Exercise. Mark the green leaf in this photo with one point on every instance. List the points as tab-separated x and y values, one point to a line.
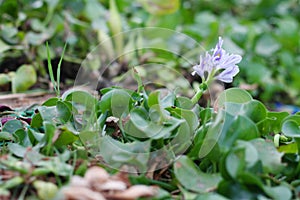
6	136
278	192
210	196
80	97
192	178
13	182
117	102
56	165
3	46
272	123
36	121
12	126
253	109
233	164
291	128
142	127
153	98
116	154
190	117
115	25
22	83
64	111
90	139
22	138
65	137
49	134
225	130
288	148
4	79
233	95
266	45
17	149
34	136
48	114
156	7
184	102
45	190
269	156
51	101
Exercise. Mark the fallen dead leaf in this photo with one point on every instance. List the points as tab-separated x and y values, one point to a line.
110	185
97	184
80	193
96	175
135	192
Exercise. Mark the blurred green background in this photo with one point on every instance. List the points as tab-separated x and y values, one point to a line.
265	32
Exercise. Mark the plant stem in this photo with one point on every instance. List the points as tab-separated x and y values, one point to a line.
198	95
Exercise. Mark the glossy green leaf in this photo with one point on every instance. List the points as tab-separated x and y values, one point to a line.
65	137
253	109
115	153
233	95
116	101
20	82
291	128
141	126
6	136
64	111
80	97
51	101
36	121
266	45
157	7
192	178
48	114
17	149
90	139
225	131
45	190
12	126
272	123
4	79
210	196
269	156
3	47
34	136
13	182
190	117
278	192
115	26
288	148
56	165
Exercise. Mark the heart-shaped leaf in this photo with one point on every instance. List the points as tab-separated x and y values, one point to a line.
192	178
24	78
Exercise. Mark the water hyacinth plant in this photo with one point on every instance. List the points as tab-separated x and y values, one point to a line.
164	145
216	65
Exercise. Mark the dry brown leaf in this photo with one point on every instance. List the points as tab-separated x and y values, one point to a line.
78	181
80	193
113	185
96	175
245	86
135	192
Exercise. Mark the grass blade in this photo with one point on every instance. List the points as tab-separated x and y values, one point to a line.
50	68
58	70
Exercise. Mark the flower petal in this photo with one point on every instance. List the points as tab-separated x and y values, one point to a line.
228	74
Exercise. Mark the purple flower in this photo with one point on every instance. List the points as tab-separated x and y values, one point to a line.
218	65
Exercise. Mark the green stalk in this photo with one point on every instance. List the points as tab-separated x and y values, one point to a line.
50	68
56	82
58	71
115	26
198	95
